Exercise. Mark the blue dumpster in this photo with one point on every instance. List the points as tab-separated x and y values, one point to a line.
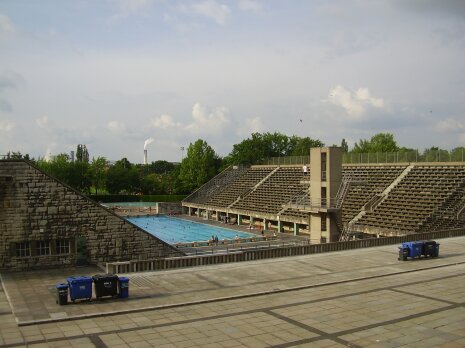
415	248
403	253
430	248
123	287
62	294
80	287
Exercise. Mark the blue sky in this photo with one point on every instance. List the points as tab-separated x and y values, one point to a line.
113	73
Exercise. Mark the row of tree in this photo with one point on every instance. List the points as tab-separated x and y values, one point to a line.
200	164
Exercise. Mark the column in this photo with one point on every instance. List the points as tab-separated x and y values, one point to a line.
296	228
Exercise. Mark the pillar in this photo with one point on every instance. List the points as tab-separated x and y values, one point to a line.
296	228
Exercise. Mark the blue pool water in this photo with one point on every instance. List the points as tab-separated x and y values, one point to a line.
173	230
131	204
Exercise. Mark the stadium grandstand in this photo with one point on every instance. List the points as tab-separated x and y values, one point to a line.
330	201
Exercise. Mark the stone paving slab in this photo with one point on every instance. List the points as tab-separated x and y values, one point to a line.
357	298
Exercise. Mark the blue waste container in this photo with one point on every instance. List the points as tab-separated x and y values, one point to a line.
80	287
403	253
415	248
430	248
62	294
123	287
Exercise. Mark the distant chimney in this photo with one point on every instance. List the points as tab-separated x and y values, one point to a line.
145	156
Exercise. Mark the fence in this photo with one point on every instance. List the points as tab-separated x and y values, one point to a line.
457	155
404	157
279	161
269	253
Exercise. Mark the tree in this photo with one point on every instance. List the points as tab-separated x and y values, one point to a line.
381	142
458	154
123	176
262	146
79	176
17	155
160	167
302	146
199	165
98	169
344	146
435	154
82	155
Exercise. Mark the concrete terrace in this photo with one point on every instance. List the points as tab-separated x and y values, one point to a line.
356	298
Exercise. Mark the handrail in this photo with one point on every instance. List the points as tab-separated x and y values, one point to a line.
272	252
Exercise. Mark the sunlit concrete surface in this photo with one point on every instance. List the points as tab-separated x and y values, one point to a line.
358	298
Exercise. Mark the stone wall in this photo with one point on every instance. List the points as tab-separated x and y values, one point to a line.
38	212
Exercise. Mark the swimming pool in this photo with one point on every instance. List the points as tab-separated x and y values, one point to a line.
131	204
173	230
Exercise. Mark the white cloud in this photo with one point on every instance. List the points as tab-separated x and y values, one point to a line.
250	5
164	122
205	122
6	126
127	8
355	103
211	9
42	121
116	127
6	26
131	6
251	125
450	125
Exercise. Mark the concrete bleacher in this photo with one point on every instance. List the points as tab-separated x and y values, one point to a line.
385	199
277	189
366	182
244	183
223	180
415	199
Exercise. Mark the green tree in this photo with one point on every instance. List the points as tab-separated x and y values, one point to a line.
17	155
199	165
152	184
458	154
381	142
98	169
82	155
123	176
435	154
79	176
344	146
160	167
302	146
259	147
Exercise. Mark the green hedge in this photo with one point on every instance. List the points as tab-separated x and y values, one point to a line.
137	198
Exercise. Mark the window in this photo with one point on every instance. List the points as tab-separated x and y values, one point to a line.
63	246
323	221
43	248
323	166
23	249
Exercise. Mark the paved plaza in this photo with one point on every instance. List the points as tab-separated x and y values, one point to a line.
356	298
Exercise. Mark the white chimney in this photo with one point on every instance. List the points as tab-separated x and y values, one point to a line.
145	156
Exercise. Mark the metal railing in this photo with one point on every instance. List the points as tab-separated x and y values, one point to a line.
404	157
272	252
380	157
279	161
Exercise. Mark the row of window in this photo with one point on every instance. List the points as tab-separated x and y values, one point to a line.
42	248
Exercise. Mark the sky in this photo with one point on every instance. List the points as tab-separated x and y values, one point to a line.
117	74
